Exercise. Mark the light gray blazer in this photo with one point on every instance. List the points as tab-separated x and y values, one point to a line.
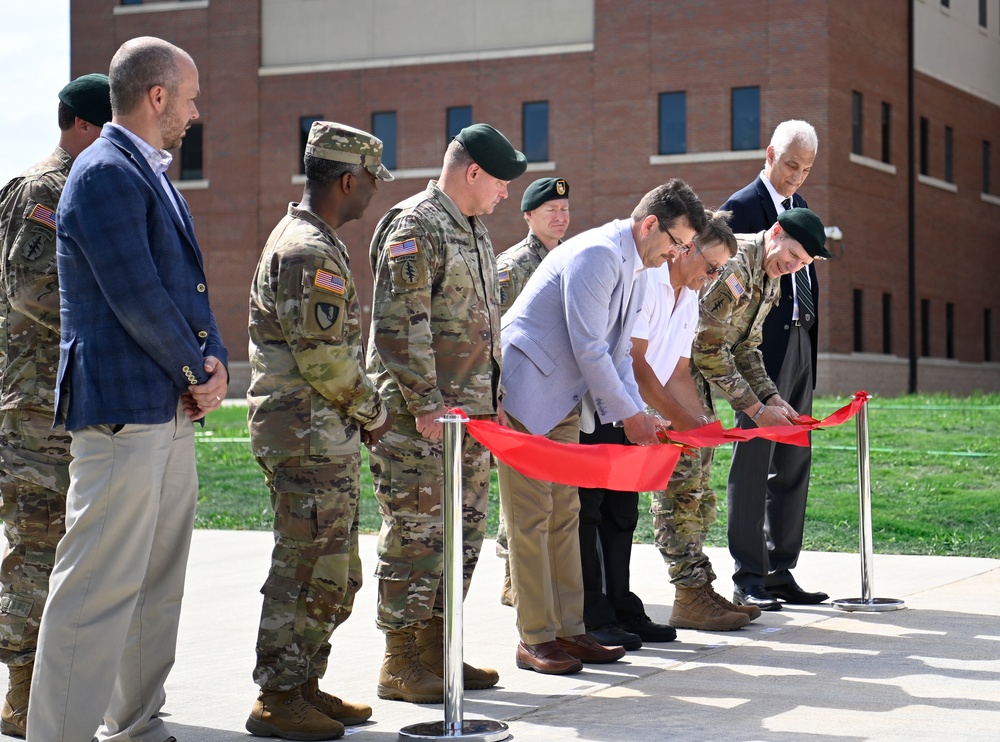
569	332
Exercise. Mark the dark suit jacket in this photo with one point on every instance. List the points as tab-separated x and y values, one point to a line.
135	315
753	211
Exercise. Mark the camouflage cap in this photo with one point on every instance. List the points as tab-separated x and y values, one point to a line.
492	151
803	226
542	190
341	143
89	97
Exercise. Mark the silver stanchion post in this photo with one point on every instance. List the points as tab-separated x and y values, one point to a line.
866	602
454	725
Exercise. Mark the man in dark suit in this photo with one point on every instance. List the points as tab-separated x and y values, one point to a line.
140	359
769	482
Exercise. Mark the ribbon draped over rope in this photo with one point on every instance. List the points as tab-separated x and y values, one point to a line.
631	468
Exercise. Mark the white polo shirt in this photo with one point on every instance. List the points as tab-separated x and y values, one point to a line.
666	326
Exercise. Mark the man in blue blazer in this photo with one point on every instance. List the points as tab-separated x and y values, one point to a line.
769	482
565	344
140	359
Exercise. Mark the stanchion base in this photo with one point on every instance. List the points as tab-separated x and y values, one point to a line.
875	605
473	730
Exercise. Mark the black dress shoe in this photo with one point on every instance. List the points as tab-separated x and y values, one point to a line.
756	595
790	592
647	630
612	635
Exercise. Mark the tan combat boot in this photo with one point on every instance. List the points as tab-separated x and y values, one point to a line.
345	712
507	591
286	714
403	676
430	645
694	609
14	717
751	611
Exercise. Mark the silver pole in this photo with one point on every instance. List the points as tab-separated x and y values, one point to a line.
866	602
455	726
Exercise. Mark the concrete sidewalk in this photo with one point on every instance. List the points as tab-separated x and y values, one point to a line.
928	672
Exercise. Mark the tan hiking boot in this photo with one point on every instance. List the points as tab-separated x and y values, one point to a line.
286	714
751	611
507	591
695	609
430	645
403	676
14	717
345	712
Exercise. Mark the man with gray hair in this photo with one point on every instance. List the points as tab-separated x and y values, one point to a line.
769	482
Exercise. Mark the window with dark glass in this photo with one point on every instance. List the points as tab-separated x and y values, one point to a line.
673	123
535	131
458	117
987	335
746	118
924	145
857	133
987	174
887	324
886	132
305	124
945	3
859	325
192	153
982	13
949	154
925	327
384	127
949	330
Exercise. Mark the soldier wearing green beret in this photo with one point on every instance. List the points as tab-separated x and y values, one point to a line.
545	205
35	472
311	406
435	344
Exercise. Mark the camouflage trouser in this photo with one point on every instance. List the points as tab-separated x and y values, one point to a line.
408	474
682	515
34	477
315	567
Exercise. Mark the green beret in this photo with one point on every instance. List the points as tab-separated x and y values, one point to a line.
89	97
341	143
492	151
542	190
805	228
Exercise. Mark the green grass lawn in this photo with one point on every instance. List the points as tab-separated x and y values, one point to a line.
935	478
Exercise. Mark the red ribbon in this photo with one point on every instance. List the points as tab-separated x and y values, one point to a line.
630	468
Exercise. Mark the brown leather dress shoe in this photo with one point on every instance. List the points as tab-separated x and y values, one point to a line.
547	658
586	649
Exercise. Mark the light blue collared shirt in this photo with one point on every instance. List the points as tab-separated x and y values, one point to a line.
158	159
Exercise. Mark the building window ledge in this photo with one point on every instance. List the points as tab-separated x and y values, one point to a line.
885	167
944	185
159	7
191	185
990	198
696	157
541	167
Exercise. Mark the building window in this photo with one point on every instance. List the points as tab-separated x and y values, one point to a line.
746	118
857	133
987	335
535	131
305	124
458	117
945	3
859	325
887	324
949	330
384	127
925	327
949	154
987	175
924	145
192	153
886	132
982	13
673	123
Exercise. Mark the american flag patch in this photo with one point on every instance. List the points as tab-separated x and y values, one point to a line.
43	215
407	247
329	281
503	276
735	286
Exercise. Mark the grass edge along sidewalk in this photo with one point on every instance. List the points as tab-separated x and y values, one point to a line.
935	473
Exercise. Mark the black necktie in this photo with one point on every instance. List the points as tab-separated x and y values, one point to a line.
803	291
786	204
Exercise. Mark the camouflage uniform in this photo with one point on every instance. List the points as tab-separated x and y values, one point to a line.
35	469
515	266
308	398
725	355
435	344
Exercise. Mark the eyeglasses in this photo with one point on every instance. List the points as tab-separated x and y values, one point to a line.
712	270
